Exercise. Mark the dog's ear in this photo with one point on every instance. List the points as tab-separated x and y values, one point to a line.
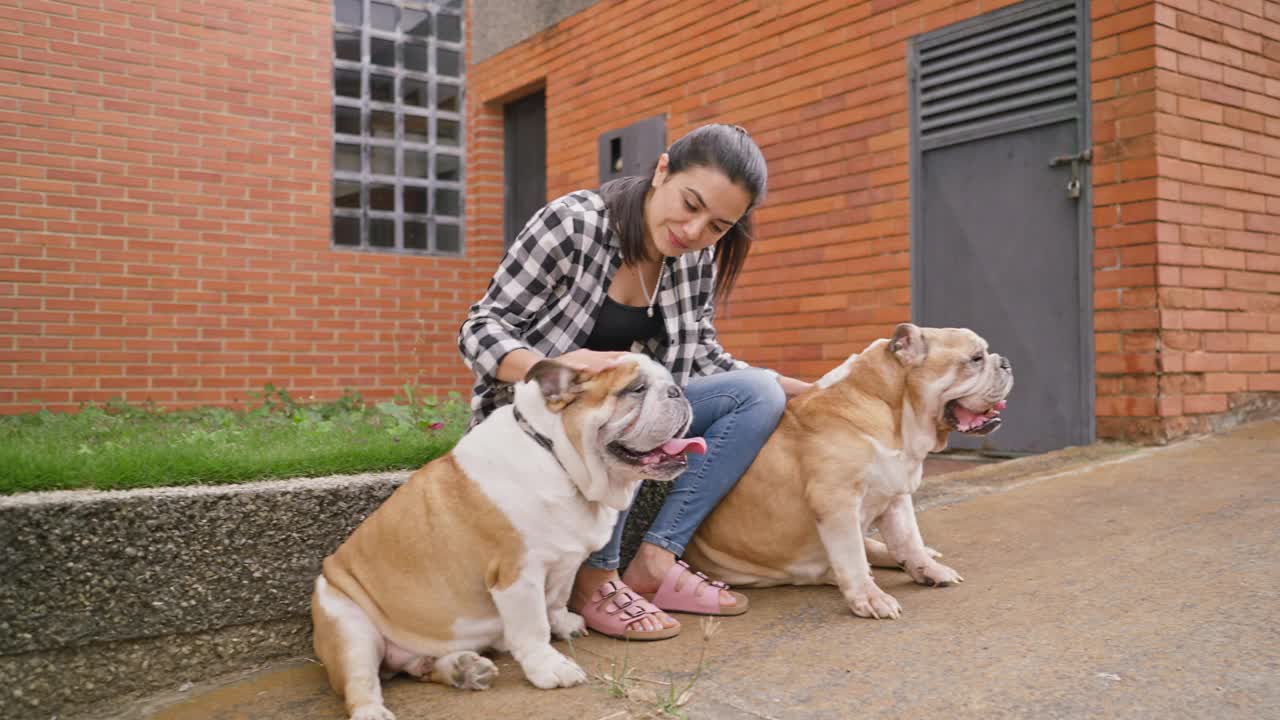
908	345
559	383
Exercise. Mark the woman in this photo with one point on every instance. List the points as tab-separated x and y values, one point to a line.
638	266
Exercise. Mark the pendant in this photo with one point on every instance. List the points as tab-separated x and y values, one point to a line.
650	312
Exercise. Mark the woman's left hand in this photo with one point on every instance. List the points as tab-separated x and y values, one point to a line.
792	386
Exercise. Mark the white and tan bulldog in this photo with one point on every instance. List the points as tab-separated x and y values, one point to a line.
479	548
847	456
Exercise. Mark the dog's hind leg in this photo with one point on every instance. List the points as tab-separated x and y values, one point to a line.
351	649
879	556
463	669
902	535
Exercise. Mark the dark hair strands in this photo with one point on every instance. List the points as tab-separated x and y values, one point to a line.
727	148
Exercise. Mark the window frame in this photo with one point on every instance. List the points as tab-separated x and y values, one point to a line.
374	143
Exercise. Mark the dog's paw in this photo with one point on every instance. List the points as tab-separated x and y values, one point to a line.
565	624
372	712
933	574
553	670
872	602
469	671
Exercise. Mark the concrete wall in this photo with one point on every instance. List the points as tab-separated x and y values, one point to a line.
106	593
103	594
498	24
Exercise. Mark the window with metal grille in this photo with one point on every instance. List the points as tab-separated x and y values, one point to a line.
397	113
1016	67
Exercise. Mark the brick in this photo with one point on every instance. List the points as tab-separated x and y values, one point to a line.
1203	278
1125	277
1247	322
1246	363
1125	406
1201	362
1200	110
1126	320
1122	65
1245	39
1226	342
1169	406
1263	342
1232	259
1176	297
1199	26
1203	404
1182	340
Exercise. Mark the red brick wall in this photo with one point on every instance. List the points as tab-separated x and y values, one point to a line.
1126	209
164	215
165	169
820	85
1218	117
1186	235
1187	214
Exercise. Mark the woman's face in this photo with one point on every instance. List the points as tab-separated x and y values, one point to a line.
692	209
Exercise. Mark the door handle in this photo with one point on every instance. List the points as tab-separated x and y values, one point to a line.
1073	185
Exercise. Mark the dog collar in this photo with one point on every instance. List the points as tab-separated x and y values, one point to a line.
538	437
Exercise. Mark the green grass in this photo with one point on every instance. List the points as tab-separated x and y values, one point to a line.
124	446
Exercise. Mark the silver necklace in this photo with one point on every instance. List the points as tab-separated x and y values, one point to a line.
657	284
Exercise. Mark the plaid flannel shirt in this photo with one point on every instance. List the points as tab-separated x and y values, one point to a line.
551	284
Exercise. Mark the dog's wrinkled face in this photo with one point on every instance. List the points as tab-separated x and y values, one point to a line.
956	366
625	423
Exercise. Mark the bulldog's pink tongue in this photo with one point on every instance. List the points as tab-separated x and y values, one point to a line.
684	445
968	420
965	418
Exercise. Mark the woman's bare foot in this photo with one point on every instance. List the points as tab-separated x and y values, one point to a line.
590	579
650	566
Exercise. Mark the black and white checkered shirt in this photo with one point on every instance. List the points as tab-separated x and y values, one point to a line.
550	286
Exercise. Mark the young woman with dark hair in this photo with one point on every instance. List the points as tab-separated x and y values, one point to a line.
639	266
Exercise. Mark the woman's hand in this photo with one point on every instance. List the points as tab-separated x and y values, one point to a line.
590	360
792	386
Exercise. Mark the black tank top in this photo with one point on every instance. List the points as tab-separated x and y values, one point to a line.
618	326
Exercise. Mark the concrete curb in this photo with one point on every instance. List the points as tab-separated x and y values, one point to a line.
99	585
107	594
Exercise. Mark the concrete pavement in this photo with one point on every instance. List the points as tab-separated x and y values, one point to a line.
1101	582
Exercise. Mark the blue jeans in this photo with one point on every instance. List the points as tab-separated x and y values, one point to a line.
735	411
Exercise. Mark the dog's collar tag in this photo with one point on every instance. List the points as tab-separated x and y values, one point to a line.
538	437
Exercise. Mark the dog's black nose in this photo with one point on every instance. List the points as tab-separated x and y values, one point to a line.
674	392
1004	363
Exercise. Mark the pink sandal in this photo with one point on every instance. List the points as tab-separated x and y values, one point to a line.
614	608
701	596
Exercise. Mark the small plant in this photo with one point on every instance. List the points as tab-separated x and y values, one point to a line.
411	411
674	698
670	700
619	675
617	680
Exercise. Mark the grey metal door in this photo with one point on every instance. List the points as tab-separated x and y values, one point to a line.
1000	233
524	162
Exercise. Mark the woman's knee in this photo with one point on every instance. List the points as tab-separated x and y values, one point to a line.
762	392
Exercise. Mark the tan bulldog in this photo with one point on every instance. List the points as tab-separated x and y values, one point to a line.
846	456
479	548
